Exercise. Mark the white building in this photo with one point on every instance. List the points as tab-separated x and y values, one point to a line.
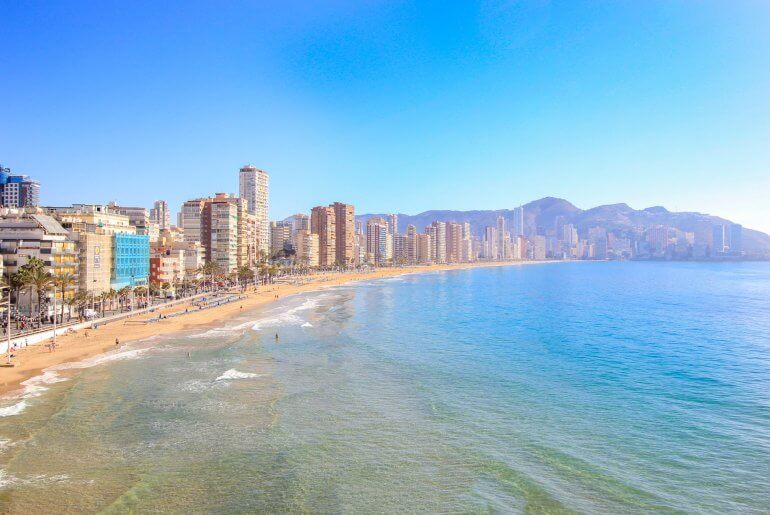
254	187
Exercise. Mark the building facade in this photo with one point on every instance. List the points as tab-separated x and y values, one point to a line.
345	233
322	223
254	186
130	260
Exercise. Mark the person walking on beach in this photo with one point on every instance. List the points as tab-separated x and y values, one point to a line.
117	342
276	336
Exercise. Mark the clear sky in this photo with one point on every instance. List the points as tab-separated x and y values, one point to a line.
393	106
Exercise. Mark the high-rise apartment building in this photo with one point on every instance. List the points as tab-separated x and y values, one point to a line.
376	240
736	239
255	188
538	247
393	224
345	233
719	239
467	243
322	223
502	252
518	222
18	190
490	243
280	237
161	215
400	246
439	242
191	219
300	222
219	232
424	249
657	238
411	244
306	247
454	244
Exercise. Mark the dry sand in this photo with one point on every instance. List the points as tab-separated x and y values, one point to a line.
76	346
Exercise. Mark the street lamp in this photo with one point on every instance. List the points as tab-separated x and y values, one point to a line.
54	315
132	293
8	324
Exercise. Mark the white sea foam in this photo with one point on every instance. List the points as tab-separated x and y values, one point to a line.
307	324
36	386
102	358
287	316
276	317
14	409
235	374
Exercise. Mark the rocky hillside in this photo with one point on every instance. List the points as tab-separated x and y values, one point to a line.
544	212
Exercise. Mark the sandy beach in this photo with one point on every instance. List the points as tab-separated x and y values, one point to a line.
76	346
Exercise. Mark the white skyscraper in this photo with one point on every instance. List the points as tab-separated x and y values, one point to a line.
501	238
161	215
393	224
254	187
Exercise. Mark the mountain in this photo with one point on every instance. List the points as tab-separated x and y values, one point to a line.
541	215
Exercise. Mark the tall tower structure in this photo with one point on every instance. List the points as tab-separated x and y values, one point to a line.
255	188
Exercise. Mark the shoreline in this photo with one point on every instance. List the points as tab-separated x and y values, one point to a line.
79	345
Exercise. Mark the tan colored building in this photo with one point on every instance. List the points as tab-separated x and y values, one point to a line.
28	233
219	229
411	244
92	227
191	219
424	249
92	218
345	233
280	236
228	231
306	247
454	244
322	223
94	261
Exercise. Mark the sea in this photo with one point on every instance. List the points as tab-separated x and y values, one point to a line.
631	387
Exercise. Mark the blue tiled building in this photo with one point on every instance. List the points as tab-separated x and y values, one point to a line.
130	260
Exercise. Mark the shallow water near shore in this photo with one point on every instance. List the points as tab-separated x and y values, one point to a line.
607	387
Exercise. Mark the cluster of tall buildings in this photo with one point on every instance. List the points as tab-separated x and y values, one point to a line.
112	246
18	190
564	240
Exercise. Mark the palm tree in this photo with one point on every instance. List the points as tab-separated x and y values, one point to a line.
244	271
212	269
123	294
63	281
71	302
103	298
141	292
79	301
154	290
4	284
42	281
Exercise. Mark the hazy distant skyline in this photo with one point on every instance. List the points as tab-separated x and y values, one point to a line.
393	106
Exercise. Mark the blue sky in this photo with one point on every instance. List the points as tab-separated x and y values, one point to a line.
393	106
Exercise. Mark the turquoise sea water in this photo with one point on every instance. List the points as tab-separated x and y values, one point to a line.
570	387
